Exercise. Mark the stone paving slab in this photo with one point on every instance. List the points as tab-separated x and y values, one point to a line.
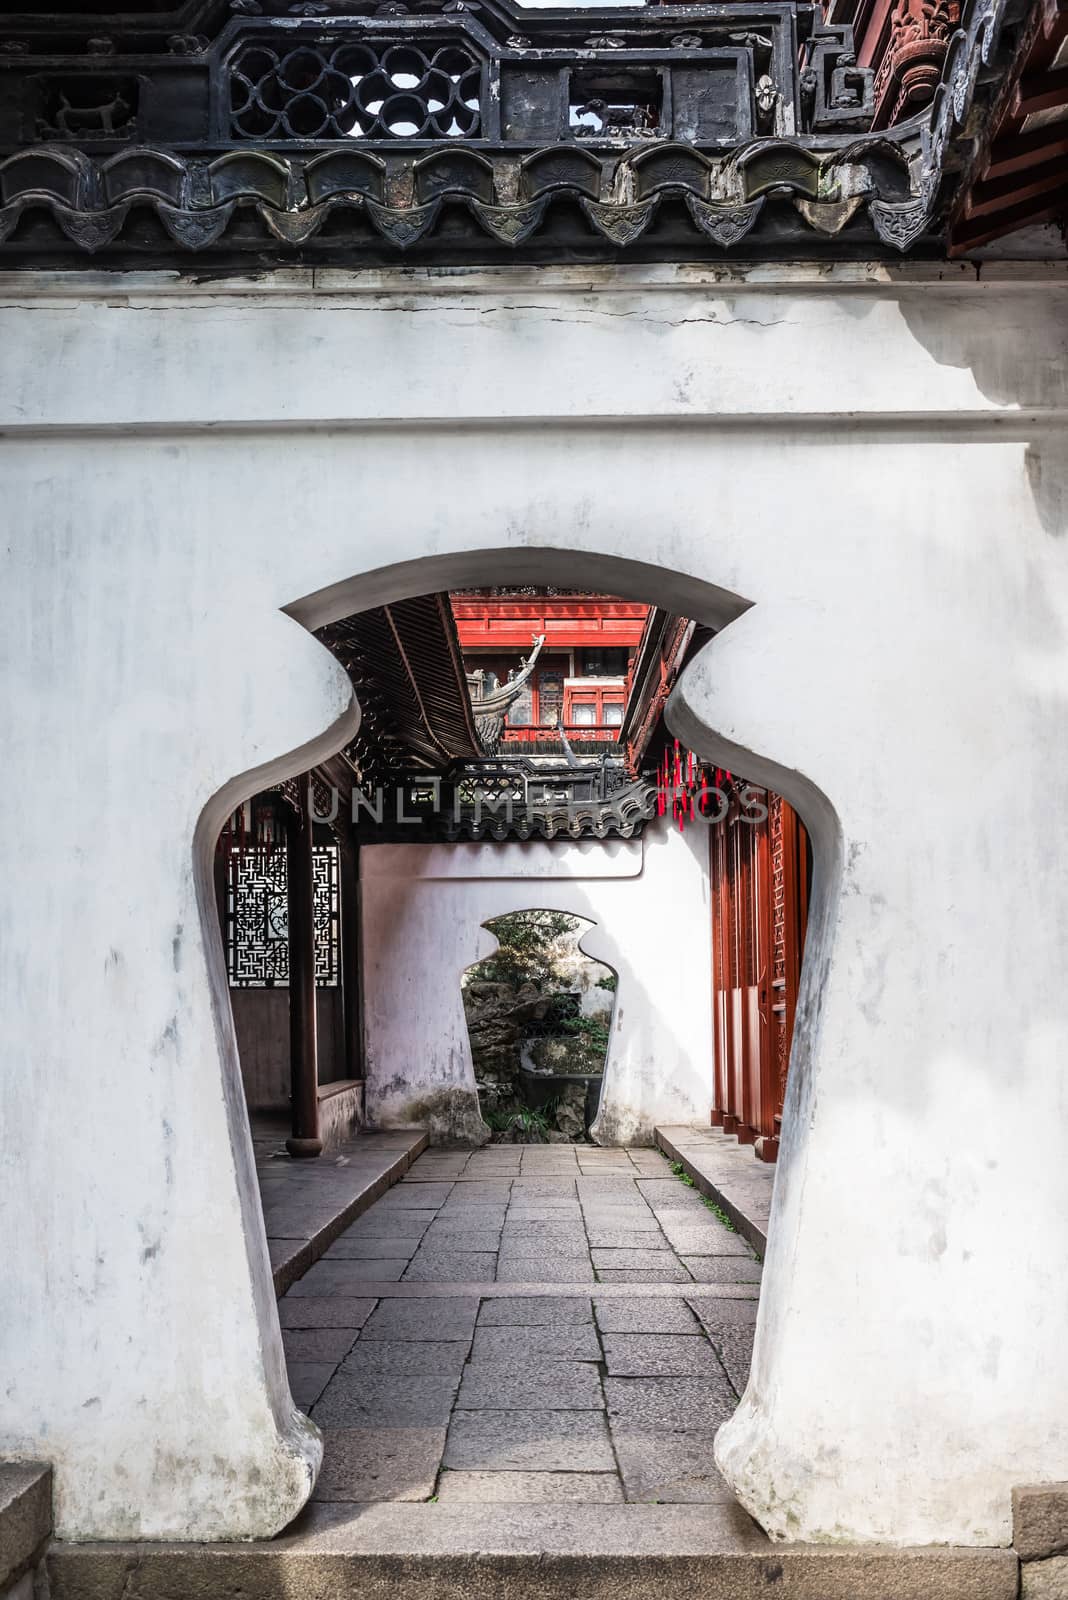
403	1357
421	1319
734	1346
617	1238
676	1273
375	1398
644	1316
528	1188
570	1270
616	1258
529	1441
660	1355
670	1468
323	1311
417	1196
530	1488
542	1385
348	1277
721	1269
307	1380
551	1222
628	1220
441	1236
387	1248
696	1239
469	1193
668	1192
378	1224
461	1218
318	1344
553	1341
727	1306
529	1312
668	1404
379	1464
522	1242
444	1266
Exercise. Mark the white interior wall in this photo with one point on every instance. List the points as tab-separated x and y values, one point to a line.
423	907
860	472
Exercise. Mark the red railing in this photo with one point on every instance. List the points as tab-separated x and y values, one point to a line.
550	734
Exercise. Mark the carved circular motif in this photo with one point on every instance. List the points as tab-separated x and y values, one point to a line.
356	91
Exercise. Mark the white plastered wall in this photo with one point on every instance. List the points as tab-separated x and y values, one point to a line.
862	474
423	907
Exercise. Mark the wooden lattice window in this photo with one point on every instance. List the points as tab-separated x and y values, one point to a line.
257	917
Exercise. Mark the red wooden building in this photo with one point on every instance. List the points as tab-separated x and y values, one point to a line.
760	875
579	682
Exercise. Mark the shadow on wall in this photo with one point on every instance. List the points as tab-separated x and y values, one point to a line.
1026	367
539	1015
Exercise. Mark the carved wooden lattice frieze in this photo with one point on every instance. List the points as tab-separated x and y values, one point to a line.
257	918
374	89
482	129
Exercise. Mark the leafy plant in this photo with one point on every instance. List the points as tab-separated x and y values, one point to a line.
527	1126
594	1030
526	940
528	931
717	1211
720	1215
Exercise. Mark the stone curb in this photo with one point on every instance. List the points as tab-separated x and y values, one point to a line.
306	1252
747	1226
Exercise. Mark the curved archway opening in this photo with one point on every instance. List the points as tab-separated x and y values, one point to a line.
422	898
539	1016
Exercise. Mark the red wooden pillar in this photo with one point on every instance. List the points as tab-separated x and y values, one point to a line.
732	1109
748	1055
759	895
765	1084
303	1054
718	905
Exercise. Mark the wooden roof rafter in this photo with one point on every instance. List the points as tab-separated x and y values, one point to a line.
1019	173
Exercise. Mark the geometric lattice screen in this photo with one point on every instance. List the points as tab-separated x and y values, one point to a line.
257	917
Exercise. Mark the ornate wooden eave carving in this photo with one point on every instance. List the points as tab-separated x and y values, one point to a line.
450	131
447	131
909	73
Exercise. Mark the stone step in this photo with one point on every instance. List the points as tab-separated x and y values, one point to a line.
725	1172
25	1522
516	1552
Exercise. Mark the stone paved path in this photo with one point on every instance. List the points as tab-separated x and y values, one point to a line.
527	1325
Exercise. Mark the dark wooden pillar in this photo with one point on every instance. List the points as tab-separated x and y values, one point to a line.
349	873
303	1054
